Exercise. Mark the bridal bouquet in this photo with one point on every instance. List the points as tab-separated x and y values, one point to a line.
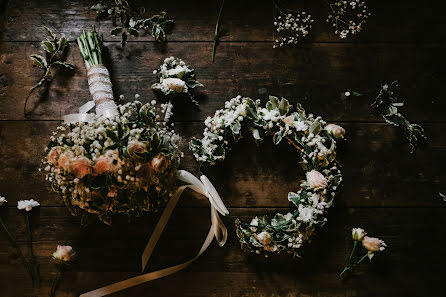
120	160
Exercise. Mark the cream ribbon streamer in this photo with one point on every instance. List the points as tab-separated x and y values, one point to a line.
217	230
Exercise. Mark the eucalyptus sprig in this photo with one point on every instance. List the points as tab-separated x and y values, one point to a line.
132	21
54	47
387	103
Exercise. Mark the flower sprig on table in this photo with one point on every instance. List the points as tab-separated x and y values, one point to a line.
348	17
63	258
292	26
176	79
132	21
55	49
313	138
30	265
372	245
387	103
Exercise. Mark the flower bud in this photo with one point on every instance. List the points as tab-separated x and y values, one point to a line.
358	234
335	130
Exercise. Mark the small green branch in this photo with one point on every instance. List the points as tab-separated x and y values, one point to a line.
34	264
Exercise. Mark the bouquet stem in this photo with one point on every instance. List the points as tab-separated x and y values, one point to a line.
90	46
55	282
19	251
35	266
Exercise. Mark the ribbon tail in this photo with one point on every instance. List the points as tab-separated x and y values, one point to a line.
220	231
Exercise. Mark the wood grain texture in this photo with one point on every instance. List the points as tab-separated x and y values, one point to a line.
107	255
314	75
392	194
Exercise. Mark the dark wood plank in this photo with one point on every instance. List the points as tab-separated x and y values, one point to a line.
411	266
249	20
377	167
314	75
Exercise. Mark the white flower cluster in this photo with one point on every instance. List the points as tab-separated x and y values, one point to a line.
123	164
312	137
175	78
27	205
2	200
292	28
348	17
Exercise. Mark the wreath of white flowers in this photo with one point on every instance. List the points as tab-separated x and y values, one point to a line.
313	138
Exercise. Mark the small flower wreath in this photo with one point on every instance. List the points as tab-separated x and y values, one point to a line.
313	138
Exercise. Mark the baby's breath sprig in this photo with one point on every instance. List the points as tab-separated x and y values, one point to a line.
132	21
348	17
292	26
55	48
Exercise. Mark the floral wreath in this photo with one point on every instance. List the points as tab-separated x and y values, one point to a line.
313	138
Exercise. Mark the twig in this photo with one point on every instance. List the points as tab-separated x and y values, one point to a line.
217	28
31	251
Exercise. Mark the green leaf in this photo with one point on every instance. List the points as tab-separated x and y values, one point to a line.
284	106
133	32
39	61
256	134
193	83
315	128
277	137
273	103
356	94
235	127
293	197
48	47
64	64
116	31
50	33
253	241
442	196
62	43
99	8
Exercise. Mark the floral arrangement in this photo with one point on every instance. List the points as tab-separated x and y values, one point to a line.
313	138
348	17
31	264
120	160
55	49
175	79
371	244
132	21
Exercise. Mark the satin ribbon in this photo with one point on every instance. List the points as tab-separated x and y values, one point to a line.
217	230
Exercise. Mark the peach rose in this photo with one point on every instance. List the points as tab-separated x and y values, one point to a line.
102	165
80	167
264	238
289	120
53	155
316	180
112	193
64	160
335	130
64	253
160	163
373	244
136	147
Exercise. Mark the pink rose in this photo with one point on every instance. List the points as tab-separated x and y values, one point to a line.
80	167
335	130
373	244
136	147
102	165
64	160
160	163
64	253
53	155
316	180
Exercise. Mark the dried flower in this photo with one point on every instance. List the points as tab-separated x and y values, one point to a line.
358	234
348	17
27	205
316	180
160	163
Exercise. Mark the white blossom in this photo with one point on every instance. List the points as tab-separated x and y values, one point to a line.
27	205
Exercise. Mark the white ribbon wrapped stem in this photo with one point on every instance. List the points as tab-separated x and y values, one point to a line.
100	87
217	230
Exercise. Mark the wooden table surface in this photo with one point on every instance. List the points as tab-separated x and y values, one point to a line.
389	192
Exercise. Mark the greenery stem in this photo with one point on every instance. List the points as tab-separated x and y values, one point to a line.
19	251
55	282
217	28
349	267
35	267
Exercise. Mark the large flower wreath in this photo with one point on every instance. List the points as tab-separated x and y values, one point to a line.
312	137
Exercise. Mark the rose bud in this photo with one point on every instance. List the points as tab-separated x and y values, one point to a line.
316	180
358	234
335	130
